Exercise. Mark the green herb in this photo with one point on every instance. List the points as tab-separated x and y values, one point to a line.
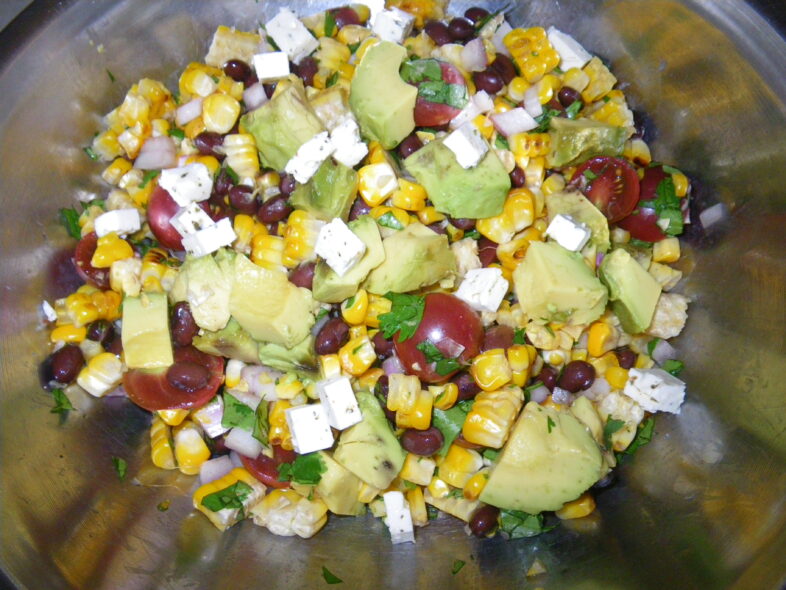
473	234
544	120
237	414
443	365
331	81
62	403
612	426
409	485
558	70
673	366
549	329
573	110
178	133
322	313
501	143
163	506
111	76
667	205
670	169
404	315
389	220
431	512
519	336
230	497
215	79
639	243
306	469
232	174
457	565
491	454
353	47
70	220
273	44
121	467
606	98
482	22
454	95
330	577
518	524
349	302
262	424
455	493
176	96
357	349
449	422
144	245
149	175
330	23
550	423
643	436
589	174
90	153
651	345
419	70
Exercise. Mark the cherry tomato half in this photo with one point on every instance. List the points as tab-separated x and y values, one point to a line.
642	222
265	468
83	254
610	183
160	209
445	318
435	114
152	391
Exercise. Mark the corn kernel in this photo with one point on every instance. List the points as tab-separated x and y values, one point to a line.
532	52
190	448
354	309
491	370
376	182
666	250
438	488
115	171
445	396
602	338
368	380
459	465
517	88
579	508
475	485
555	183
681	184
172	417
279	433
617	377
429	215
417	507
69	334
603	362
492	416
517	214
409	196
357	355
377	306
110	248
417	469
161	452
419	415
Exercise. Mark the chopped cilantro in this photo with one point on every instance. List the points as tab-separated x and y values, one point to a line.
262	425
144	245
501	143
149	175
472	234
589	174
330	23
670	169
550	423
573	110
673	366
549	329
111	76
442	364
389	220
455	493
70	219
230	497
330	577
454	95
651	345
558	70
457	565
482	22
431	512
62	403
121	467
332	80
237	414
491	454
449	422
305	469
90	153
667	205
349	302
612	426
419	70
643	436
544	120
409	485
178	133
519	336
404	315
322	313
639	243
232	174
517	524
215	79
353	47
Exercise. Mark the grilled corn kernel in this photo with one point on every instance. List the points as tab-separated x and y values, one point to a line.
603	337
352	34
357	355
368	380
417	507
579	508
517	214
475	484
409	196
555	183
354	309
636	150
300	237
528	145
445	396
246	229
198	79
115	171
285	512
172	417
438	488
603	362
106	145
491	370
429	215
601	81
376	182
617	377
190	448
459	465
666	250
329	366
161	452
279	433
511	253
377	306
110	247
418	469
418	416
241	154
403	391
532	52
520	364
268	251
492	415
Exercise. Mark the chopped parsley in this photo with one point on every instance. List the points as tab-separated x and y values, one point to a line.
306	469
518	524
178	133
427	75
673	366
390	221
455	493
121	467
519	336
550	423
349	302
62	403
457	565
111	76
70	219
330	577
90	153
442	364
332	80
667	205
230	497
149	175
573	110
643	436
330	23
501	143
404	316
449	422
612	426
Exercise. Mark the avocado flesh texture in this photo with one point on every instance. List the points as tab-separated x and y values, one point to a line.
145	332
382	102
332	288
232	342
554	284
204	283
475	192
301	358
580	209
540	469
414	257
633	291
329	194
339	488
282	125
574	141
369	449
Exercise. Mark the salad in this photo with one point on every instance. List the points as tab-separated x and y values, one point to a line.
380	259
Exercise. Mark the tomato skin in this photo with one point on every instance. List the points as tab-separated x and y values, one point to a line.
151	390
444	316
83	254
265	468
614	189
435	114
160	209
642	222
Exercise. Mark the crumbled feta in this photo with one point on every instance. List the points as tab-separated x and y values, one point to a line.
48	311
120	221
210	239
483	289
339	401
349	148
671	313
339	246
186	184
399	518
393	25
571	235
655	390
572	54
209	417
291	35
310	428
271	66
309	157
467	144
190	219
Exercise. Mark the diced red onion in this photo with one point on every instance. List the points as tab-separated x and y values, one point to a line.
532	101
449	347
188	112
243	442
118	391
157	153
499	35
663	351
235	458
599	258
265	388
712	215
562	396
599	388
539	394
473	56
392	365
214	469
254	96
513	121
319	324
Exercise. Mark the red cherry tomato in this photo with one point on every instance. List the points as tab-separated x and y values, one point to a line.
152	391
610	183
642	222
160	209
265	468
435	114
83	254
445	318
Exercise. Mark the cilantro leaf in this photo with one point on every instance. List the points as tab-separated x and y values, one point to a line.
454	95
483	21
237	414
573	110
232	174
404	316
589	174
90	153
518	524
442	364
449	422
457	565
670	169
262	424
330	577
418	70
643	437
501	143
322	313
612	426
519	336
389	220
667	205
353	47
332	80
70	219
121	467
550	423
111	76
544	120
62	403
651	345
472	234
178	133
491	454
673	366
149	175
330	23
230	497
305	469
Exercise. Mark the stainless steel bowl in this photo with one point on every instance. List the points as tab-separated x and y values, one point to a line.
703	506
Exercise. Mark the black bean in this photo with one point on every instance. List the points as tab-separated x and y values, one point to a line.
460	29
548	376
100	331
489	80
464	223
518	178
115	345
484	520
303	275
270	88
475	14
223	184
208	143
237	69
333	335
306	69
503	65
438	228
422	442
187	376
382	346
182	324
66	363
287	184
438	31
345	16
241	197
567	96
626	357
500	336
359	207
409	145
467	388
274	210
487	251
577	375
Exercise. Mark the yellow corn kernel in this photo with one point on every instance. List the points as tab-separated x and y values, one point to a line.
410	196
517	214
636	150
246	229
535	172
194	127
614	111
520	364
110	247
357	355
579	508
367	493
548	87
438	488
603	362
667	250
475	485
288	386
555	183
300	237
484	125
358	331
329	366
198	79
512	252
226	517
517	88
377	154
285	512
241	154
429	215
501	105
602	338
390	217
417	469
351	34
160	127
106	145
445	395
172	417
268	251
528	145
354	309
115	171
601	81
576	78
492	415
157	273
417	507
459	465
681	183
368	380
279	429
377	306
419	415
403	391
190	448
422	10
532	52
643	361
550	403
376	182
579	354
102	373
491	369
161	445
617	377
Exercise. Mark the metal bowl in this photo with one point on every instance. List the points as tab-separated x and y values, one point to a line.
701	507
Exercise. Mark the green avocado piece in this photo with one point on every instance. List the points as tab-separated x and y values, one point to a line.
554	284
414	257
369	449
633	291
232	342
382	102
329	194
549	459
475	192
339	488
574	141
282	125
581	209
330	287
268	306
586	413
206	286
145	332
301	358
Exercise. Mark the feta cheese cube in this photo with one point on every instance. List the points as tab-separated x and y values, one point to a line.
291	35
271	66
186	184
349	148
209	417
571	235
467	144
339	401
210	239
190	219
339	246
572	54
483	289
310	428
120	221
393	25
309	157
655	390
50	315
399	518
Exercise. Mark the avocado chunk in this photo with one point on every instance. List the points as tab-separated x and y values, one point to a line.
475	192
586	413
339	488
414	257
633	291
232	342
369	449
581	209
330	287
301	358
268	306
556	285
206	287
382	102
574	141
145	333
282	125
549	459
329	194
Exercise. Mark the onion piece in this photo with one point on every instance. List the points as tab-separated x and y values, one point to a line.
254	96
663	351
712	215
539	394
473	56
188	112
261	381
599	388
497	39
513	121
449	347
392	365
214	469
562	396
532	101
243	442
235	458
157	153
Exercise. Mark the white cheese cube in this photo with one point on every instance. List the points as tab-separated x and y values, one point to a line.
309	157
271	66
190	219
291	35
399	518
50	315
483	289
339	402
186	184
467	144
393	25
655	390
120	221
572	54
310	428
568	233
210	239
339	246
345	137
209	417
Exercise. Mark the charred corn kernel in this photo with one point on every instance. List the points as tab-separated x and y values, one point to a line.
532	52
491	369
354	309
110	247
418	469
124	276
331	53
403	391
520	364
535	172
667	250
367	493
172	417
279	429
268	251
459	465
512	252
232	373
576	78
102	373
409	196
429	215
69	334
501	105
161	452
579	508
134	109
603	362
357	355
300	237
115	171
106	145
376	181
288	386
368	380
158	271
601	81
238	484
548	87
190	448
287	513
445	395
377	305
157	95
194	127
246	229
417	507
613	111
419	415
358	331
602	338
390	217
681	183
241	154
84	307
352	34
475	484
484	125
617	377
492	415
438	488
329	366
517	88
644	361
636	150
555	183
528	145
517	214
198	80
